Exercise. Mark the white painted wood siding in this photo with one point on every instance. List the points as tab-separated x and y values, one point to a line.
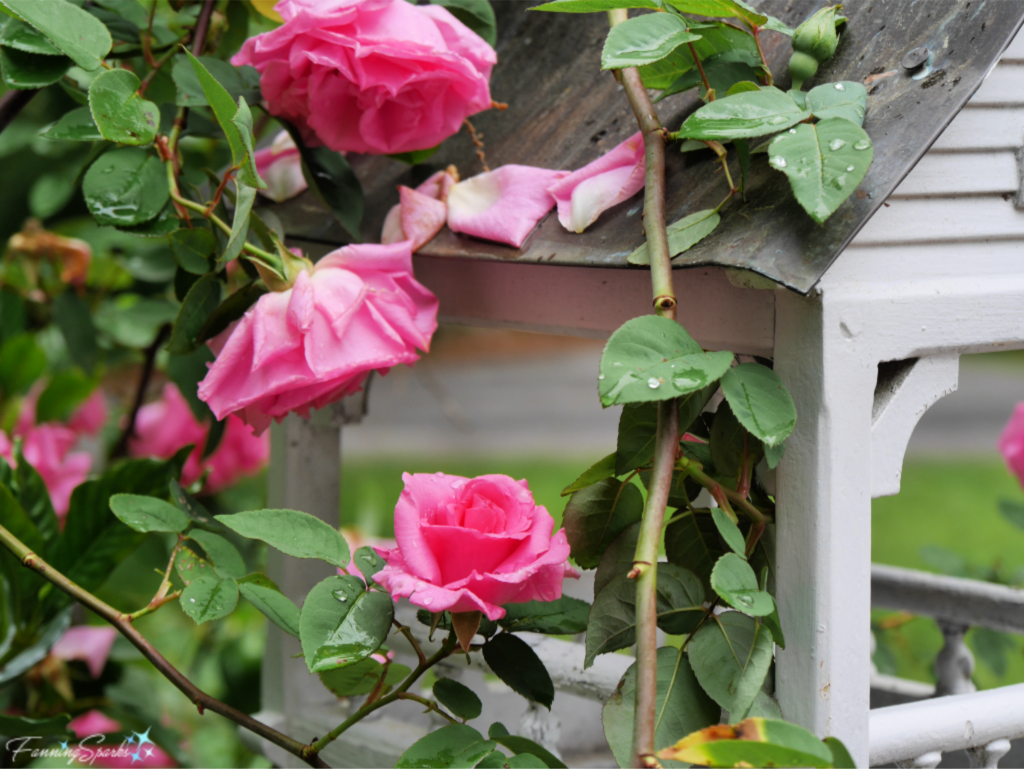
964	189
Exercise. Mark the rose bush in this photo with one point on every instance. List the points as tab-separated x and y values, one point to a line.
377	76
167	425
473	544
359	310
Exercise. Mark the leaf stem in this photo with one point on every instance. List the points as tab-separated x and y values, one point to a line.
718	491
156	68
412	641
122	622
429	705
11	103
764	62
163	594
121	447
708	91
313	749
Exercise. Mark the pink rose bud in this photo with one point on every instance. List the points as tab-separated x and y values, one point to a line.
421	213
611	179
359	310
1011	443
86	643
280	166
376	76
47	447
473	544
165	426
89	418
503	205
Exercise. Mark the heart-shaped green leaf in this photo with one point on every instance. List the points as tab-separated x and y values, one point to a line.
743	115
847	100
760	401
734	580
644	39
122	115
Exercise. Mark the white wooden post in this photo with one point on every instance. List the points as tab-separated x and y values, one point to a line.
824	522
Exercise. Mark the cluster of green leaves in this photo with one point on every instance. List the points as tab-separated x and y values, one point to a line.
820	144
725	659
459	745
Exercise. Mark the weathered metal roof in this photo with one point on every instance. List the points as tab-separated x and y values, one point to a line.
564	111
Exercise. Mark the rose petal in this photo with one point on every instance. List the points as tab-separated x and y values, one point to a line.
503	205
90	644
422	216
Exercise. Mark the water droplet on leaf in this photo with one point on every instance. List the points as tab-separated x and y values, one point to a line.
600	377
778	162
863	144
849	168
836	144
840	87
653	383
777	119
792	130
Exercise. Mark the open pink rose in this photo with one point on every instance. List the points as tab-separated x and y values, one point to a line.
280	166
1011	443
359	310
503	205
91	416
167	425
473	544
377	76
420	213
86	643
47	447
611	179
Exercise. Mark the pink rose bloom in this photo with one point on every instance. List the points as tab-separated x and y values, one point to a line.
377	76
611	179
90	417
473	544
47	448
358	310
165	426
1011	443
422	212
89	644
142	752
503	205
280	166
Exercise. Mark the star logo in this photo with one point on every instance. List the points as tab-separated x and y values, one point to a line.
64	745
130	740
136	757
143	738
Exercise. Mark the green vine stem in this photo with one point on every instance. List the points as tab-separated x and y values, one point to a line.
122	622
312	750
645	568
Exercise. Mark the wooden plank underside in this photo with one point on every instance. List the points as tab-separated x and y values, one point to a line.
948	174
943	220
584	302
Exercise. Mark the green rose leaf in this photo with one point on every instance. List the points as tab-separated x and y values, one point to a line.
522	746
651	358
244	199
25	71
199	304
730	442
125	187
238	82
513	661
66	391
458	698
478	15
342	622
221	553
294	533
612	622
763	742
74	31
368	562
730	531
192	249
760	402
724	72
74	126
773	454
604	468
825	162
17	726
638	425
148	513
691	541
734	580
682	706
743	115
596	515
841	758
730	655
208	597
439	748
23	37
259	590
716	38
121	115
362	677
618	558
564	616
593	6
644	39
847	100
727	9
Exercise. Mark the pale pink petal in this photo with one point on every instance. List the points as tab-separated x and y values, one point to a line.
611	179
1011	442
93	722
240	453
91	416
422	216
86	643
391	232
47	448
503	205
